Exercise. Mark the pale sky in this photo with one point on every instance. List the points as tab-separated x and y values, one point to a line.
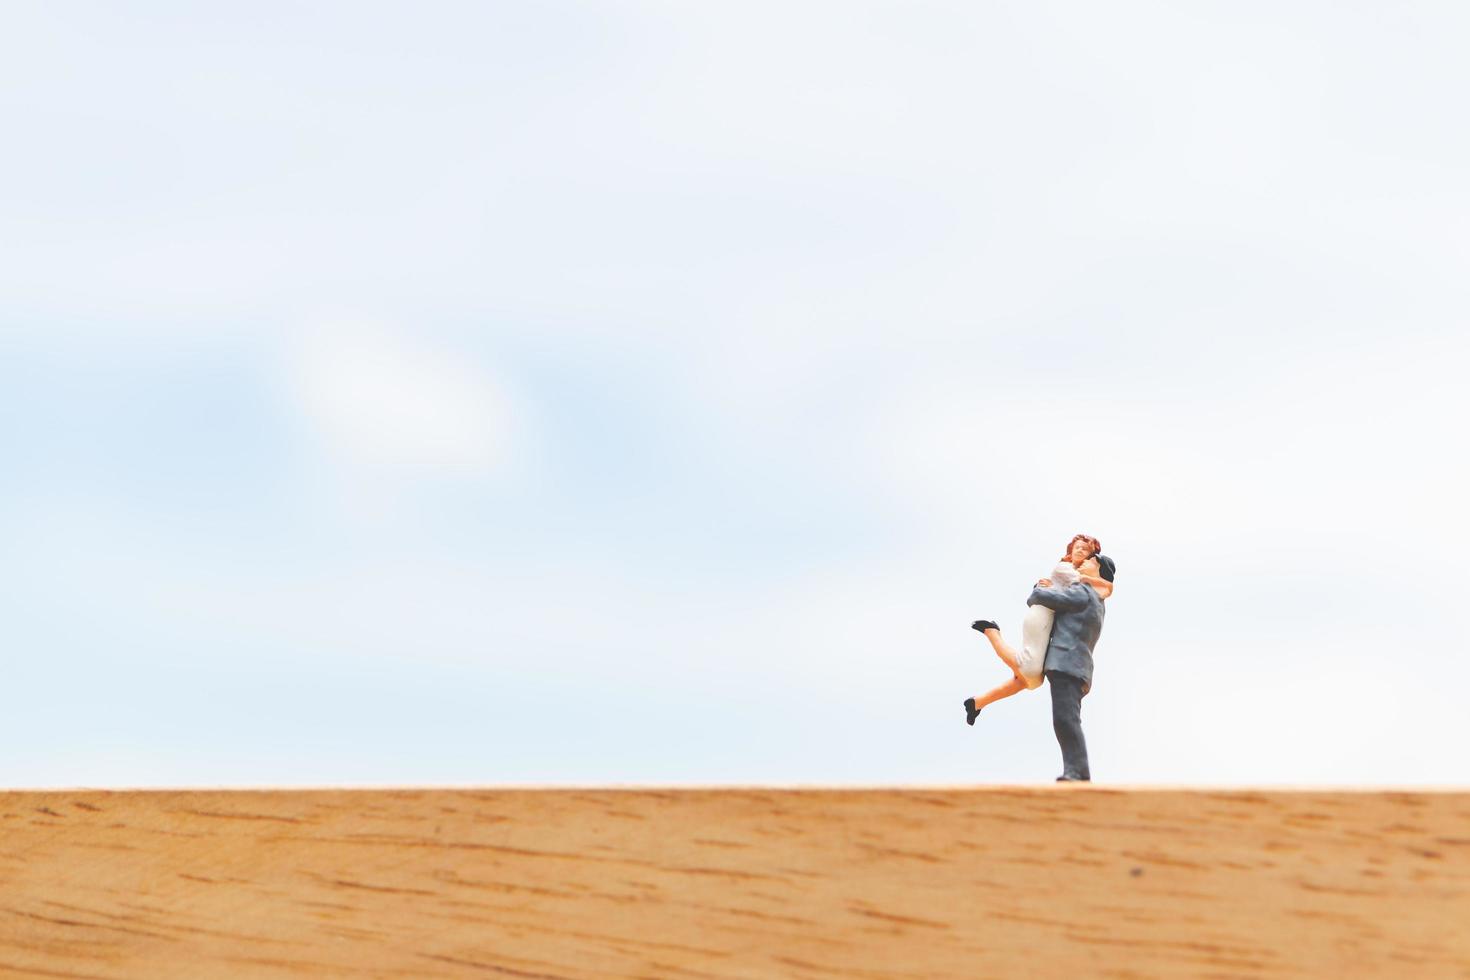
652	393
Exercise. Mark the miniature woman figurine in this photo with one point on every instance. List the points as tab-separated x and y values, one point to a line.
1080	563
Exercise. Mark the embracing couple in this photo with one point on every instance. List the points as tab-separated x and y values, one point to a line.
1061	627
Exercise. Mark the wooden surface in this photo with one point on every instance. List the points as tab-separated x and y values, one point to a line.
999	882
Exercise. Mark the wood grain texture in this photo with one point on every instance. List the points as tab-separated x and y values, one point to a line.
995	882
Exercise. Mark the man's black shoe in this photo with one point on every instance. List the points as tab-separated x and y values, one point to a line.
983	624
970	711
1067	777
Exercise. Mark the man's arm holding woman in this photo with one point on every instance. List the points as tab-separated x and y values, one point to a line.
1060	600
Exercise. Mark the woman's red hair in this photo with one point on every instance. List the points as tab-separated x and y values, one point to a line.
1096	545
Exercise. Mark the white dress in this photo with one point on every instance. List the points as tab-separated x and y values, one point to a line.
1036	629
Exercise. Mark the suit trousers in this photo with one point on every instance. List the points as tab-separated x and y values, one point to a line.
1066	721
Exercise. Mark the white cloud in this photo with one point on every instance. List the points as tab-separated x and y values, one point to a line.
385	401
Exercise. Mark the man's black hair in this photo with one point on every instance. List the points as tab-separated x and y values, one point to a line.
1105	567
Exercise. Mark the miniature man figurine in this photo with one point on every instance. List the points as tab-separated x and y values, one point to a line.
1074	632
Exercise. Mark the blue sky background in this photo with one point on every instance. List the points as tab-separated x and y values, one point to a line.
649	393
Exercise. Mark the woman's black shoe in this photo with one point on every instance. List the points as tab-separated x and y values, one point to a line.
983	624
970	711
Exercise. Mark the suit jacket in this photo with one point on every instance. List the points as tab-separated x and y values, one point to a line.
1078	624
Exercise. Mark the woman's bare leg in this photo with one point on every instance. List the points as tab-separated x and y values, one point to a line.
1013	686
1004	651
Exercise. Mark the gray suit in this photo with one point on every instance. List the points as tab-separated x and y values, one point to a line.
1075	631
1068	666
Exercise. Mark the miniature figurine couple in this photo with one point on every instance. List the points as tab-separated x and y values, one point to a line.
1057	636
